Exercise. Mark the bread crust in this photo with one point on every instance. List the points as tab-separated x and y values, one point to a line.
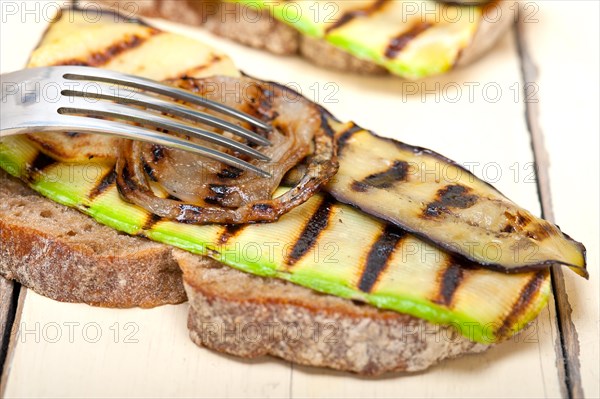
326	55
489	30
65	255
251	27
250	316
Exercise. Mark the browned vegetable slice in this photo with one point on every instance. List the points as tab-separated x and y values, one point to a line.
452	207
189	188
72	146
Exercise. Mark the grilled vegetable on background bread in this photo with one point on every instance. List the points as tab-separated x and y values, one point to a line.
443	288
412	39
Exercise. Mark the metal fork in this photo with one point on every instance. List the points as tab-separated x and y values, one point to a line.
71	98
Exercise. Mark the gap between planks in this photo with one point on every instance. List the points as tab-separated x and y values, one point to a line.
11	306
568	364
9	294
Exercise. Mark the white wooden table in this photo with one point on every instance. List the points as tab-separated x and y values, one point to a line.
542	153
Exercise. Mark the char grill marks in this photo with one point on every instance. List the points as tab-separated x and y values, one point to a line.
346	136
229	232
448	198
40	163
348	16
525	298
450	280
219	193
102	57
522	223
311	231
386	179
149	170
106	182
379	255
158	153
230	172
398	43
151	221
195	71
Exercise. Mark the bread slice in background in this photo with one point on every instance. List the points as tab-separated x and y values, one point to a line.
65	255
259	29
250	316
250	27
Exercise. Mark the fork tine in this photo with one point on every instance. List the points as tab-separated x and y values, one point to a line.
78	105
102	75
124	130
27	111
148	101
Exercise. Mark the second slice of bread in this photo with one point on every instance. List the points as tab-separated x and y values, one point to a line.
251	316
65	255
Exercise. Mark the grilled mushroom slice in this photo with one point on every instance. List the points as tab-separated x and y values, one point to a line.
190	188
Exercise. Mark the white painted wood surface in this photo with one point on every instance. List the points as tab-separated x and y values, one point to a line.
568	64
491	136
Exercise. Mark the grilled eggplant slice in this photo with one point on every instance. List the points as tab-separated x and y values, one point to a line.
194	189
410	39
433	197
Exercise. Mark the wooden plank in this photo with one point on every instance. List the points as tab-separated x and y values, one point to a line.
566	346
564	126
73	350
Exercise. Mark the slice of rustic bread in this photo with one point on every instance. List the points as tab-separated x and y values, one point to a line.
257	29
250	316
249	26
65	255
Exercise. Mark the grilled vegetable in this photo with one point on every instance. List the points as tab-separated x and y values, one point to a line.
433	197
108	40
194	189
410	39
314	245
